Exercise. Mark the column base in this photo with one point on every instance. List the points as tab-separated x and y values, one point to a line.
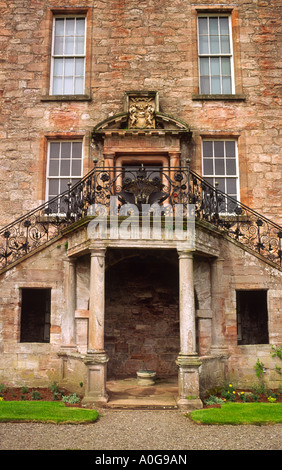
188	382
96	363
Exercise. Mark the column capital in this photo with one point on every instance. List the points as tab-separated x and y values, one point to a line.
97	252
185	254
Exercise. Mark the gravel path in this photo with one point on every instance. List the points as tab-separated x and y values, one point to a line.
139	430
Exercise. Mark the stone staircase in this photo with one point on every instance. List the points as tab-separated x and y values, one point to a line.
47	223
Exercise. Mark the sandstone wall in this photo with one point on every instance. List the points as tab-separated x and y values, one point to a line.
135	46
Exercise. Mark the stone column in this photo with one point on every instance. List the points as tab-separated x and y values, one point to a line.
68	326
188	360
96	359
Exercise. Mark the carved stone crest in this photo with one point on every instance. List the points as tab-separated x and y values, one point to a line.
141	113
141	108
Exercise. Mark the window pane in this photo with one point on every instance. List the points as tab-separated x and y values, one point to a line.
219	166
70	27
79	86
76	168
54	168
68	86
203	26
80	26
231	166
205	85
224	25
58	67
226	85
69	67
59	45
53	187
64	185
225	66
57	86
207	148
230	148
54	150
221	184
208	166
215	68
224	43
214	44
66	149
231	186
219	148
215	85
65	167
59	26
69	46
76	149
204	44
79	67
79	45
214	26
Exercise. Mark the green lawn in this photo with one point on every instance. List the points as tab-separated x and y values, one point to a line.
237	413
45	411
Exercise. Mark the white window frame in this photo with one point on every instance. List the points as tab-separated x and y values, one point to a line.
66	56
219	55
59	176
225	176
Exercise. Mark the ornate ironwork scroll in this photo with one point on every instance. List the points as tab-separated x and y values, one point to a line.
165	186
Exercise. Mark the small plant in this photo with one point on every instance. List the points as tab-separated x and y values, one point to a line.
56	392
272	399
72	398
277	351
3	388
229	393
259	368
213	400
35	395
1	398
245	397
259	388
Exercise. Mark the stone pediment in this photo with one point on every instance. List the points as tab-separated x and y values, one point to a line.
141	115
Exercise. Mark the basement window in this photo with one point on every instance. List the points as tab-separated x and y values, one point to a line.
35	315
252	317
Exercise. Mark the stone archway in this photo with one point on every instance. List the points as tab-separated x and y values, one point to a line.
142	312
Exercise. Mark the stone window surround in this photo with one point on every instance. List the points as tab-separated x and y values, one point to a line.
234	15
225	175
43	156
64	12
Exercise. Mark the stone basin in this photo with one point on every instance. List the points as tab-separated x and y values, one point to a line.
146	377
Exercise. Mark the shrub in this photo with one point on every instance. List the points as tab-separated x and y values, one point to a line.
72	398
56	392
213	400
228	393
35	395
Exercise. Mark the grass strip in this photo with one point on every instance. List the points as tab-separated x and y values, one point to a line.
237	413
45	411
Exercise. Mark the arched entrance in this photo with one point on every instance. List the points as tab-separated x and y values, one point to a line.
142	312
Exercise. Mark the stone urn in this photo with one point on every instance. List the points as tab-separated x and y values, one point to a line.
145	376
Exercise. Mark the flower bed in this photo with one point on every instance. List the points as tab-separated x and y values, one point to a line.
228	393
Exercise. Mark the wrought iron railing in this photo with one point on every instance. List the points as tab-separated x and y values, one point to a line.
146	185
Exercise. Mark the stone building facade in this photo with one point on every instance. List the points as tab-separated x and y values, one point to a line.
189	91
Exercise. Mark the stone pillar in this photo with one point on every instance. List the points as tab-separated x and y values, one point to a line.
218	318
188	360
96	358
68	326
